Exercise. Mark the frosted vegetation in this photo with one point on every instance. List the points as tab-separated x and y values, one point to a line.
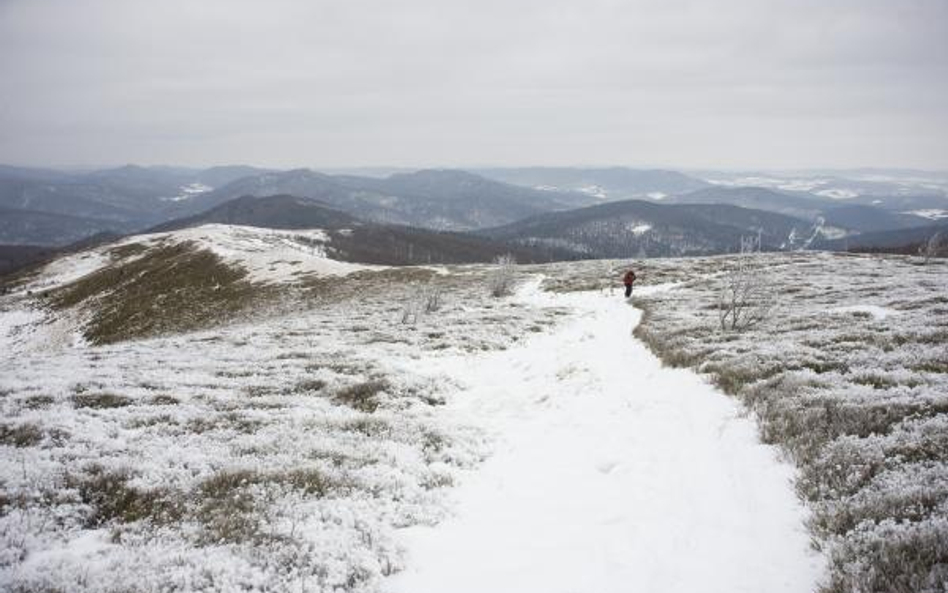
277	453
272	436
849	374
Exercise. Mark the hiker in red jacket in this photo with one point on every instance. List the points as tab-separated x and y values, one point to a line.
628	279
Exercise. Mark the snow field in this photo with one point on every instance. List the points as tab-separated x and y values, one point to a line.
610	473
287	453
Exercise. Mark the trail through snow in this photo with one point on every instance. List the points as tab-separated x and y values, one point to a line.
610	473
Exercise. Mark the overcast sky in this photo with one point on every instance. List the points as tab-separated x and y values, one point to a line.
731	84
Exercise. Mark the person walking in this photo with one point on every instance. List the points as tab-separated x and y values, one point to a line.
628	279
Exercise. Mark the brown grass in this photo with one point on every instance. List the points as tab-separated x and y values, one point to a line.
172	288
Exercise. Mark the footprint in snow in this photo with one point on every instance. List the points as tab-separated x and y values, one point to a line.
606	467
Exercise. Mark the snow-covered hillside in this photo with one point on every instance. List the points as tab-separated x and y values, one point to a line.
156	283
344	429
268	255
276	454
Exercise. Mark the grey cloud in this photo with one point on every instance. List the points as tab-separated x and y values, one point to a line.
734	83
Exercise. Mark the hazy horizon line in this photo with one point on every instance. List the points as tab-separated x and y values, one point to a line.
80	168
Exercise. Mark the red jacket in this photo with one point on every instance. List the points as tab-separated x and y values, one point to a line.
629	278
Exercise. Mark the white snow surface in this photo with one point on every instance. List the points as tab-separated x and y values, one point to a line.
268	255
838	193
67	269
610	473
189	191
640	229
930	213
594	191
771	182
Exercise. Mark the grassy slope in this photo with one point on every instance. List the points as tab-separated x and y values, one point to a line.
170	288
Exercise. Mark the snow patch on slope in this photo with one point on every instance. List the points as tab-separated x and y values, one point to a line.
930	213
639	229
67	269
837	193
189	191
268	255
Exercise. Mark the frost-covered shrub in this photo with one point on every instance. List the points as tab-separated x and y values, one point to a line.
935	246
426	300
431	298
500	282
746	296
910	557
362	396
409	312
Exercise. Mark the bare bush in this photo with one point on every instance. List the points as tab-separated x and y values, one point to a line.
746	298
409	313
936	246
501	280
428	299
431	298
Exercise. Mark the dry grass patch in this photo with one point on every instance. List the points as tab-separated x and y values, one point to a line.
20	435
110	497
171	288
100	400
362	396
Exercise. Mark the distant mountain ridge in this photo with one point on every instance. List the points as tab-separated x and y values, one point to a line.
435	199
354	240
26	227
606	183
275	212
898	240
638	228
842	214
132	198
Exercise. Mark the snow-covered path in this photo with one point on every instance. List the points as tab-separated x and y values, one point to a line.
611	473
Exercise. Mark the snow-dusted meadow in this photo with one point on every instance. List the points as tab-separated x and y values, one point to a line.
849	374
289	447
277	453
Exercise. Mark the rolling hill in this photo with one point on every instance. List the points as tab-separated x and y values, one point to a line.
275	212
897	241
353	240
129	197
851	216
638	228
26	227
611	183
797	205
435	199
